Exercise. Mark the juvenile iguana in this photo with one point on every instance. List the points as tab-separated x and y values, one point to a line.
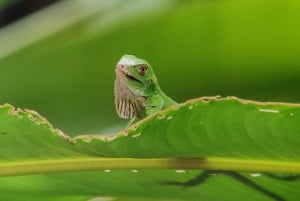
137	92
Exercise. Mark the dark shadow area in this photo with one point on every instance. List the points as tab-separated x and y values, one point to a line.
203	176
20	8
287	177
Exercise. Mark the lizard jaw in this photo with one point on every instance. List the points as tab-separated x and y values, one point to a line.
120	70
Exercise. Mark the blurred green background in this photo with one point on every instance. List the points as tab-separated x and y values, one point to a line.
65	69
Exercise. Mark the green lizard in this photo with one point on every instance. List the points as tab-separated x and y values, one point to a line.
137	92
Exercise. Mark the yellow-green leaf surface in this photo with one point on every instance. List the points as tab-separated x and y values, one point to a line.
248	150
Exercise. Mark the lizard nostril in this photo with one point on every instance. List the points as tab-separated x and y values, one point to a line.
120	66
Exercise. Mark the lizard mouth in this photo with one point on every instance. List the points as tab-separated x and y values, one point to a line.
127	75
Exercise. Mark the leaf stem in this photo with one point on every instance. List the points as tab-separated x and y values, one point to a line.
92	163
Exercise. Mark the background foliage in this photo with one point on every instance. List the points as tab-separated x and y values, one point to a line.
244	48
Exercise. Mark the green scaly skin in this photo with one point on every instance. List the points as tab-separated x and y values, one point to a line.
137	92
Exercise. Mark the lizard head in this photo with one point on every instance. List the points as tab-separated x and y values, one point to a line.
136	89
136	74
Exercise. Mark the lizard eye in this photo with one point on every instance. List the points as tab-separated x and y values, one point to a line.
142	70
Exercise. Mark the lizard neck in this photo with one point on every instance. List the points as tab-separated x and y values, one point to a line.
167	101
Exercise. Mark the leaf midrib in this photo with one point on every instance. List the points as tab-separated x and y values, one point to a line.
93	163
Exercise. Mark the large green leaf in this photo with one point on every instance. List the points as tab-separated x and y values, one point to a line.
235	140
211	127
